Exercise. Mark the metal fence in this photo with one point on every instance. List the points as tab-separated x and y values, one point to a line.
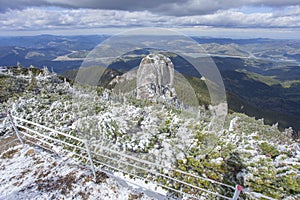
110	160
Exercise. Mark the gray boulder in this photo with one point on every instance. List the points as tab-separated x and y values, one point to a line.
155	78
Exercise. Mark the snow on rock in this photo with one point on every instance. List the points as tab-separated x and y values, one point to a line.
233	124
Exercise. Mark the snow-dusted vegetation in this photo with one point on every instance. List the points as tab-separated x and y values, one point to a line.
247	152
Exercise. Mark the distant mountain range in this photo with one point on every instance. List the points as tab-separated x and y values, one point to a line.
261	76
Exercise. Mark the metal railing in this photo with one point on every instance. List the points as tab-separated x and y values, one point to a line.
114	161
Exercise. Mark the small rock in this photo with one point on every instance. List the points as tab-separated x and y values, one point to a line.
30	152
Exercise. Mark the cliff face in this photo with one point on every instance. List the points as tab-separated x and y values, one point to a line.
155	78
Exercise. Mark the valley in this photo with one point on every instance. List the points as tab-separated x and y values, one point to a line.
261	76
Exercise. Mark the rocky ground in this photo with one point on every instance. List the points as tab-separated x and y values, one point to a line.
29	172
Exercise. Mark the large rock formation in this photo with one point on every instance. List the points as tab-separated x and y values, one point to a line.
155	78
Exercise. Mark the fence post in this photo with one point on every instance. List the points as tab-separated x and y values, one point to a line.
237	192
90	159
15	127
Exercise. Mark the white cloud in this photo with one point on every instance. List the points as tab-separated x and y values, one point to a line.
45	19
233	18
39	19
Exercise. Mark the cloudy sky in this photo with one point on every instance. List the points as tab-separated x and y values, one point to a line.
227	18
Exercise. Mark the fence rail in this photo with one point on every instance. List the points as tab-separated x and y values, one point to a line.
119	162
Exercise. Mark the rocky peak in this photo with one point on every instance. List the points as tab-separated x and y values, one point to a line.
155	78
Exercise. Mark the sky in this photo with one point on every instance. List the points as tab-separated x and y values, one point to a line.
216	18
